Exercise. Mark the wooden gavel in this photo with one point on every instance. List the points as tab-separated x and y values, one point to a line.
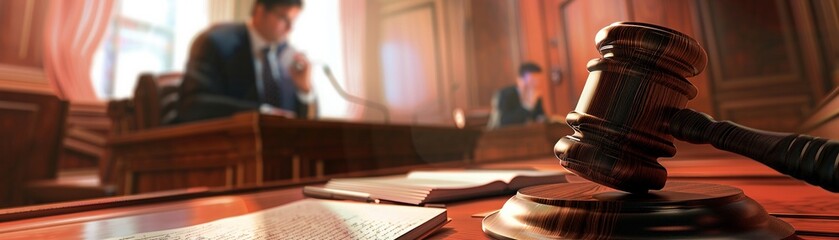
632	107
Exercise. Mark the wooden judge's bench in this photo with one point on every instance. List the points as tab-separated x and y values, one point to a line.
253	149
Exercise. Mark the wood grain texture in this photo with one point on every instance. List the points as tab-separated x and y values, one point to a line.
681	210
153	212
85	144
536	46
578	23
743	42
629	94
763	50
413	80
679	15
495	44
827	22
814	160
254	149
825	119
22	22
32	126
520	142
569	26
632	104
556	56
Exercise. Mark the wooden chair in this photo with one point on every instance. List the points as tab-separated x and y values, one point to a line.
153	104
32	128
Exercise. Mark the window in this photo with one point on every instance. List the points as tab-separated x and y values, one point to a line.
155	36
145	36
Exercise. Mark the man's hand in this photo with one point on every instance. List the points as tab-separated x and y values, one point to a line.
270	110
301	72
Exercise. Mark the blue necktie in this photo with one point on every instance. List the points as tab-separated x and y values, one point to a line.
270	86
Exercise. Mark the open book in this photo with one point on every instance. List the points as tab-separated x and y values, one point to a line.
315	219
420	187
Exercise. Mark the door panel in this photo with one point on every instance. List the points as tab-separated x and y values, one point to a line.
579	21
410	57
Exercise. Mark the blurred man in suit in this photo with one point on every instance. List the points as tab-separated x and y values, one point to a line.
248	67
520	103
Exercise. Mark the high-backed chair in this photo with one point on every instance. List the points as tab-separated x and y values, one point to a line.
153	104
31	131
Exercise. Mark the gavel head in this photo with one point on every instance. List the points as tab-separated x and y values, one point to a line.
622	117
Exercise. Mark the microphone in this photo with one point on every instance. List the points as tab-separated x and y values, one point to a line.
357	100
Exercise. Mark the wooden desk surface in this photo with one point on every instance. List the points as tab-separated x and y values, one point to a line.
777	194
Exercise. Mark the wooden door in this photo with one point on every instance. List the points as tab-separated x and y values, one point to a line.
411	55
494	45
573	24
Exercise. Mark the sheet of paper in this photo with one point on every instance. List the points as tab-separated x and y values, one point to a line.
307	219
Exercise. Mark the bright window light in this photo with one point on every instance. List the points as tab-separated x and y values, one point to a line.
317	33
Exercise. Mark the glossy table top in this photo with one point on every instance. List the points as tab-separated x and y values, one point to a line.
776	193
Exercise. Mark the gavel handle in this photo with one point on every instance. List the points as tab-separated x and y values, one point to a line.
811	159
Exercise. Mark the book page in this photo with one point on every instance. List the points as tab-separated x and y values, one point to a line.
312	219
422	184
479	175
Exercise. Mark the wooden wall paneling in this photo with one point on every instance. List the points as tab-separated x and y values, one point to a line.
24	79
536	45
751	43
22	22
458	43
808	47
413	78
31	126
495	48
755	53
682	16
577	23
774	113
373	84
557	58
445	61
824	122
21	46
827	21
85	143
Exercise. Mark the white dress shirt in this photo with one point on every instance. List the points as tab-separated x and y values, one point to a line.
257	45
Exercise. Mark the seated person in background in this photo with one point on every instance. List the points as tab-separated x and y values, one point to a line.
520	103
247	67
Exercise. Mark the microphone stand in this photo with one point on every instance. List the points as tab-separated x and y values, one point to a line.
357	100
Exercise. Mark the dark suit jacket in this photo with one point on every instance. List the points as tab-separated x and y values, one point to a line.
511	111
220	77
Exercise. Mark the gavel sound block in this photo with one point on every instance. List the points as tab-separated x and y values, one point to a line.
628	115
